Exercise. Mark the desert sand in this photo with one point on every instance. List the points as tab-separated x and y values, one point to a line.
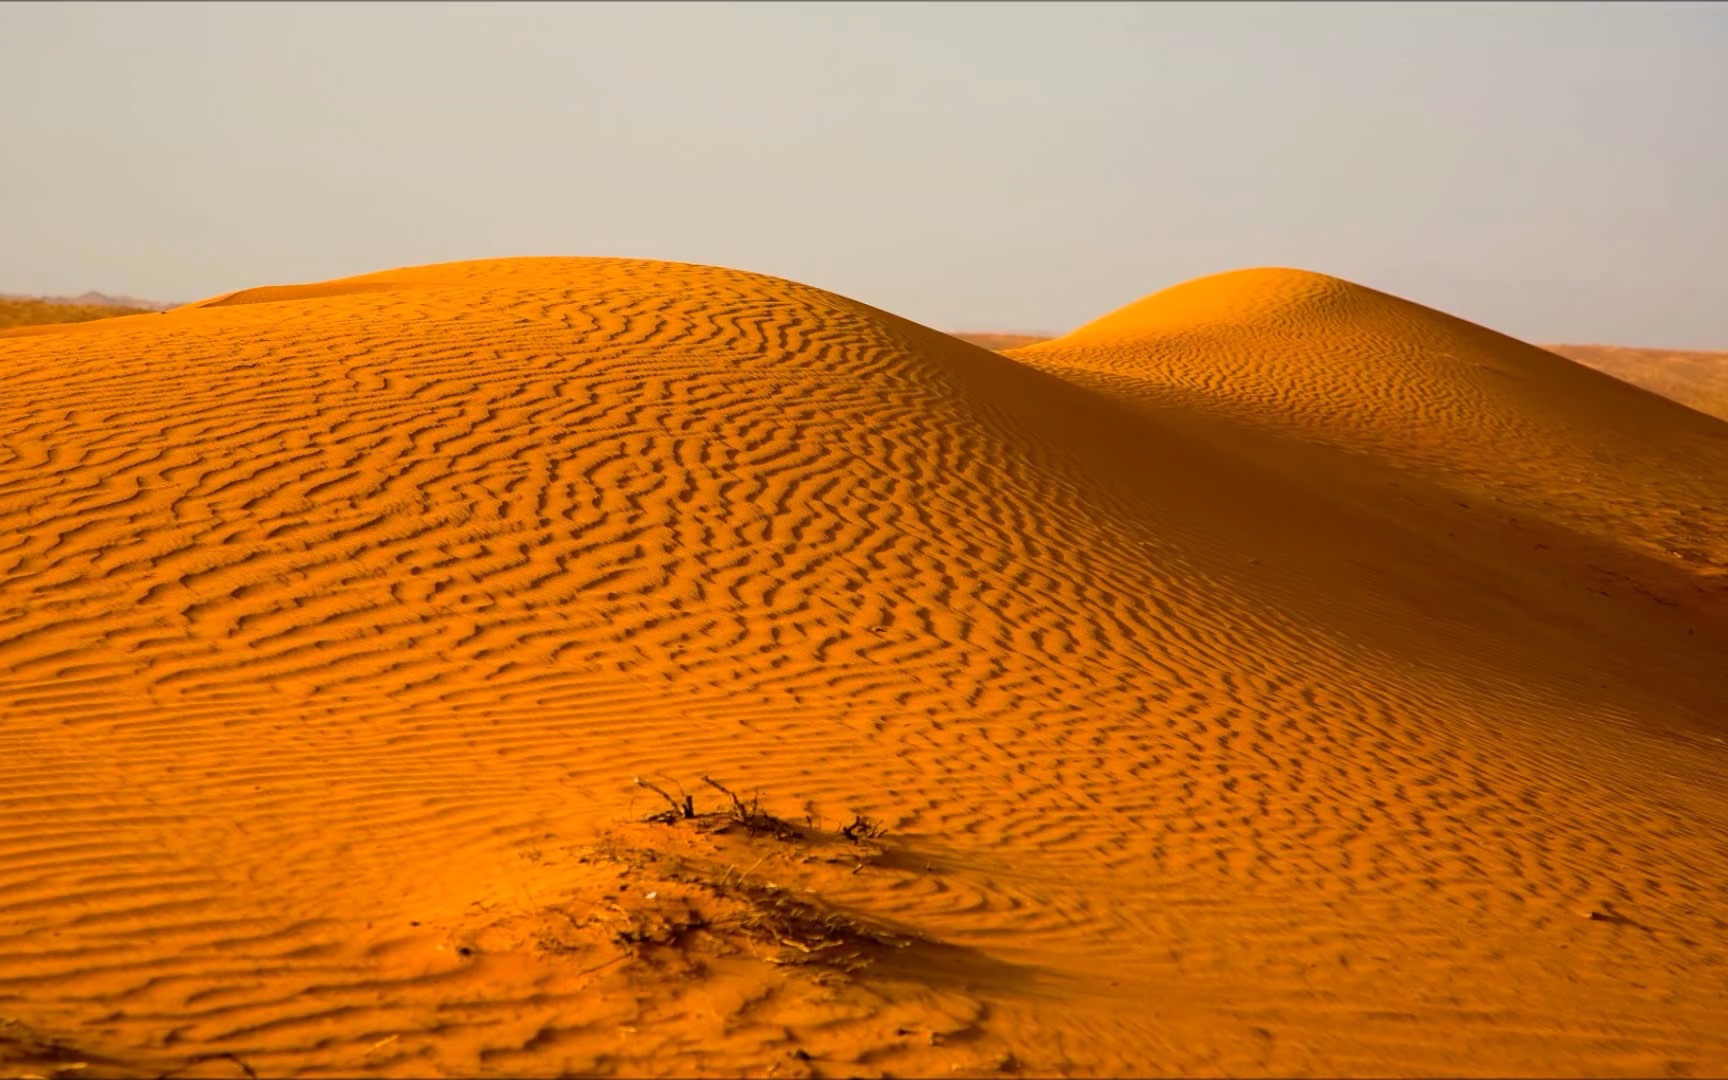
1698	380
1693	378
1271	677
21	311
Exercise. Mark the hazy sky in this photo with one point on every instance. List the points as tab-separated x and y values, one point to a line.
1558	171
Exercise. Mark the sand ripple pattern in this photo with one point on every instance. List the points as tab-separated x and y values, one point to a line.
335	619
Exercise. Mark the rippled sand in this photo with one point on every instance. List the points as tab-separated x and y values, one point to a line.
1271	677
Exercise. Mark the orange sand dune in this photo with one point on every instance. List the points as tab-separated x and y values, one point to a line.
1695	379
1271	677
1698	380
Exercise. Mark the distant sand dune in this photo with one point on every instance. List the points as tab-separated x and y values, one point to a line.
1001	342
1335	364
29	312
275	294
1698	380
1695	379
1272	676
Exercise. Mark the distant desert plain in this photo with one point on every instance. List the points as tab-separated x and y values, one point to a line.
586	666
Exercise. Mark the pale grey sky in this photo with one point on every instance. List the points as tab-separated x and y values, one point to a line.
1558	171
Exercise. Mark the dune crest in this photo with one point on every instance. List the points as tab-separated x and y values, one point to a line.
1271	676
1329	363
1272	296
275	294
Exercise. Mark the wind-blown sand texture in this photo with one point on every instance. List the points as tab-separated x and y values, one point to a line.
1698	380
1271	677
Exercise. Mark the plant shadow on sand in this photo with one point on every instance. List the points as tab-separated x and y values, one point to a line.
773	929
736	903
728	911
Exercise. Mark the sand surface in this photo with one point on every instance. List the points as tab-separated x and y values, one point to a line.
1696	379
27	311
1272	677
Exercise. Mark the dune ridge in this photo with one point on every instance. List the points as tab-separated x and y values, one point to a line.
1272	676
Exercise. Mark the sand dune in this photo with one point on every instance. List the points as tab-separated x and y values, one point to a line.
1698	380
1001	342
1695	379
25	311
1271	677
93	298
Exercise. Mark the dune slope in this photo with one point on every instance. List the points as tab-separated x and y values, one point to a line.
1271	677
1695	379
1698	380
1346	366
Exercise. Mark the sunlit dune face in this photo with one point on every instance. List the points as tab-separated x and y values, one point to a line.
549	666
